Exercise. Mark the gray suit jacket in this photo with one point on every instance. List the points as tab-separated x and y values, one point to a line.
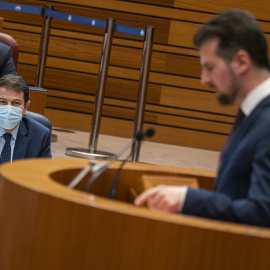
6	62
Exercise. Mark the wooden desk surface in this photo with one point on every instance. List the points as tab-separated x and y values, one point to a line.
45	225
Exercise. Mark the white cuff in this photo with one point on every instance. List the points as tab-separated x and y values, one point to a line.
183	198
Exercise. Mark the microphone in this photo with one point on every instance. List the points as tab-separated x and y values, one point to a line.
148	133
99	168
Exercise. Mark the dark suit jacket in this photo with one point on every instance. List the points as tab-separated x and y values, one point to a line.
33	140
6	62
242	189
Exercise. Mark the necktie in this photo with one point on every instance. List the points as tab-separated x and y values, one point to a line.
6	152
238	121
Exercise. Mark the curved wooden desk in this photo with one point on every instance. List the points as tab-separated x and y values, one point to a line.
45	225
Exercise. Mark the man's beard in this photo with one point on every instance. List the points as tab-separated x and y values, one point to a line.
230	98
226	99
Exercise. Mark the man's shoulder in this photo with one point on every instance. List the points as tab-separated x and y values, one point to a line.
5	48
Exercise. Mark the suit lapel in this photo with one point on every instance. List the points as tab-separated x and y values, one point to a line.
247	124
21	142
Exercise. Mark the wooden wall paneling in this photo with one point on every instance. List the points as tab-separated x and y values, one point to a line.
38	101
20	17
167	3
194	100
1	23
128	18
176	100
143	9
190	113
181	33
154	114
28	72
260	8
152	118
120	127
191	123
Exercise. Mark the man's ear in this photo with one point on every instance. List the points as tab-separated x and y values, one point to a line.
27	104
241	62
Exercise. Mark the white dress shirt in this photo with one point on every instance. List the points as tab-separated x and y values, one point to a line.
255	97
12	141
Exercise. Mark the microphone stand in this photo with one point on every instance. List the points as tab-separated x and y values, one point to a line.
116	177
138	136
95	167
98	168
148	133
103	166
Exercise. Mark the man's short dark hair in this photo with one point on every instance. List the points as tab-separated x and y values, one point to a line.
236	30
15	83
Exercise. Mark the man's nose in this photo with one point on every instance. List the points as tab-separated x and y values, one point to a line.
205	79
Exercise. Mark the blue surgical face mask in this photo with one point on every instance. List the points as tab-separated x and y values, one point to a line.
10	116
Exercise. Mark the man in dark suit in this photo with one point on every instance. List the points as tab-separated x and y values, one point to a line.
234	60
20	136
6	62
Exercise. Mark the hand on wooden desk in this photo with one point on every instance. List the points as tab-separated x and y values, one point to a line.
163	198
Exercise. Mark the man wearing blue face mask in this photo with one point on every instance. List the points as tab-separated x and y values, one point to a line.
20	136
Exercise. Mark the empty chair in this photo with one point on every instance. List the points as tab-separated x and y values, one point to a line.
40	118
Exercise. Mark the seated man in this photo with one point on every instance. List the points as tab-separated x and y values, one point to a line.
20	136
6	62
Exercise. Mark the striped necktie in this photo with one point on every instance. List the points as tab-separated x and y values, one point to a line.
6	152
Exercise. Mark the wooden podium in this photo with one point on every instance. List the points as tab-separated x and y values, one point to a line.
45	225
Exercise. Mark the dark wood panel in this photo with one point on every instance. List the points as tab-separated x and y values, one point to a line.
259	8
188	14
125	18
190	112
127	90
124	128
167	3
28	72
129	114
194	100
20	17
28	42
120	56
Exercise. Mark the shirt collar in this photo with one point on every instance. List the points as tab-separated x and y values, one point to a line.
255	97
13	132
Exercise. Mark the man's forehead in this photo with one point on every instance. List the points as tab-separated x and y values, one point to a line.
10	93
208	50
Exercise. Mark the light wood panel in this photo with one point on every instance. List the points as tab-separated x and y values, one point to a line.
1	23
38	99
45	225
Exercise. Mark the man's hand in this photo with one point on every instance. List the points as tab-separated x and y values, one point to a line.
163	198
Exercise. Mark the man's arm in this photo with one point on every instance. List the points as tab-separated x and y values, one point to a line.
254	209
46	146
6	61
